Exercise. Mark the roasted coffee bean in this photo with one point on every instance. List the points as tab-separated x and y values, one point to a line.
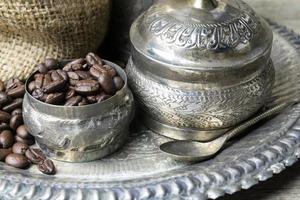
20	148
87	87
4	153
4	116
55	98
97	70
6	139
73	75
55	76
13	83
47	80
42	68
73	82
39	78
16	103
35	156
51	63
17	111
119	83
4	98
69	66
17	160
17	92
83	74
70	93
83	102
31	86
63	74
26	141
47	167
107	84
93	59
103	97
4	126
92	99
16	121
38	94
111	71
74	101
76	67
55	86
22	132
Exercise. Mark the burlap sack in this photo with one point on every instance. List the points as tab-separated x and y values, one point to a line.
31	30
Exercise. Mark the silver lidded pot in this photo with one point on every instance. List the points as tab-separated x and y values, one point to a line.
199	67
81	133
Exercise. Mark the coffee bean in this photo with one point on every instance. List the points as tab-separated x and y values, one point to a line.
15	122
63	74
83	74
6	139
87	87
4	126
26	141
38	94
13	83
69	66
39	78
4	116
47	80
55	98
97	70
76	67
83	102
4	98
70	93
42	68
74	101
93	59
51	63
35	156
17	111
22	132
4	153
119	83
46	167
107	84
31	86
16	103
17	160
111	71
20	148
73	75
55	86
92	99
17	92
55	76
103	97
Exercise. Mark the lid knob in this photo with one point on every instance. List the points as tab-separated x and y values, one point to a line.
203	4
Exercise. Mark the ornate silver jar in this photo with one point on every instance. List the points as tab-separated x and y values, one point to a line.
81	133
199	67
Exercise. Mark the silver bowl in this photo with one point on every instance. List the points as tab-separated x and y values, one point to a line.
83	133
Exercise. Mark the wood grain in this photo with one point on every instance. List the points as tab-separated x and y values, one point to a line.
286	185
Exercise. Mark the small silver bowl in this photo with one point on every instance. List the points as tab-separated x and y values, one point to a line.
83	133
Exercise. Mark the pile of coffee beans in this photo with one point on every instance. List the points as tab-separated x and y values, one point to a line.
15	140
80	82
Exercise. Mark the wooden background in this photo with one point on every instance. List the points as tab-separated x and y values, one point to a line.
285	186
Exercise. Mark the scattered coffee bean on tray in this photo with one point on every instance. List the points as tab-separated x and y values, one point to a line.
80	82
15	139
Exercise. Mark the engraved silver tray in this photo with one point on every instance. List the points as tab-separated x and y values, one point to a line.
140	171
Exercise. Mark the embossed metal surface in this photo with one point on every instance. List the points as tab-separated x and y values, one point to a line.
140	171
197	71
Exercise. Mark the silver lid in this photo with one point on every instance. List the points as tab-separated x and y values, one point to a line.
201	41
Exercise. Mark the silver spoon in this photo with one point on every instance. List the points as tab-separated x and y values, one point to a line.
193	151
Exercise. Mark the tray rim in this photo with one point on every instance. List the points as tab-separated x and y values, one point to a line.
175	186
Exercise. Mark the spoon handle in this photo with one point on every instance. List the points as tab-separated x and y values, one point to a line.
271	112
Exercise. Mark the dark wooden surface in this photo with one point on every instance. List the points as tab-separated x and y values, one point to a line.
286	185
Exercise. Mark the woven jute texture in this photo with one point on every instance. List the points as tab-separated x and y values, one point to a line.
31	30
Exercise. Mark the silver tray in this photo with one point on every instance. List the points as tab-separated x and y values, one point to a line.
140	171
